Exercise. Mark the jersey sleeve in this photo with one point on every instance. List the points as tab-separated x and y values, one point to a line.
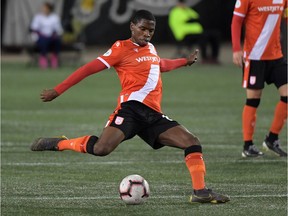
35	23
88	69
241	8
113	55
236	29
171	64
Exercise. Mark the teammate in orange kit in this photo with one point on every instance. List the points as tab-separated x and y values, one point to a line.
138	112
262	61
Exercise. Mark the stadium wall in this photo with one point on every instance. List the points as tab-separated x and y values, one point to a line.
104	21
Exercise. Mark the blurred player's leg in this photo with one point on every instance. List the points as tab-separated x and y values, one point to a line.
54	57
43	44
43	62
54	60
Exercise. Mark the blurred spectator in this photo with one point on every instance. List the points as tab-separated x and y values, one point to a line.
46	31
188	29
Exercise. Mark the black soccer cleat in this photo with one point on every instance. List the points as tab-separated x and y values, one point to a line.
46	144
274	147
252	152
207	196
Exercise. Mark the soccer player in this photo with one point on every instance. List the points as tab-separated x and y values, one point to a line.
262	61
139	111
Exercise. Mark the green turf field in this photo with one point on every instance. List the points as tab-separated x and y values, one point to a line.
207	100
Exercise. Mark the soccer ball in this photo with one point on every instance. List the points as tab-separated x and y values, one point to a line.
134	189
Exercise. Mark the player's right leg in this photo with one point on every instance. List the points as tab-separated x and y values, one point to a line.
108	141
249	122
179	137
120	126
253	80
42	45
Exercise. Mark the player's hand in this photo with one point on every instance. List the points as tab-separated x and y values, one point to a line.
238	58
192	58
48	95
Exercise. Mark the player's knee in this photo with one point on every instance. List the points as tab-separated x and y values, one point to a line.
102	149
90	144
253	102
192	140
97	147
195	141
283	99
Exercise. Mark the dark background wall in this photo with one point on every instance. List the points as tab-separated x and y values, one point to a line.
215	14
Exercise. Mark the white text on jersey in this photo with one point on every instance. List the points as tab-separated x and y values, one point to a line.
270	8
148	58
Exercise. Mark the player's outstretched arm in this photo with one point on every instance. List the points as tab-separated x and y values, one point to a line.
88	69
172	64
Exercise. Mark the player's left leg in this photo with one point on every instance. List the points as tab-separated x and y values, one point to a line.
278	76
280	116
180	137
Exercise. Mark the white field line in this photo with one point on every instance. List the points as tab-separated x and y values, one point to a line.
131	162
152	197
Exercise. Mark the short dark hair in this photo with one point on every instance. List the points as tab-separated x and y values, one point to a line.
49	5
142	14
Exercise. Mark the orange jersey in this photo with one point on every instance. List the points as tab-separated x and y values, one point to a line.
138	69
262	27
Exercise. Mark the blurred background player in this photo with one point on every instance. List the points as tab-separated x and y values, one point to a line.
188	30
46	31
139	105
262	61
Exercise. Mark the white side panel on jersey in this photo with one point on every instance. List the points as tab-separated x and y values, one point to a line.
264	37
149	86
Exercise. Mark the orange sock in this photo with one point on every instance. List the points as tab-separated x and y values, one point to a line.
196	167
280	117
76	144
248	122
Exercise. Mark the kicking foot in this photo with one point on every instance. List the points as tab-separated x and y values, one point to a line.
46	144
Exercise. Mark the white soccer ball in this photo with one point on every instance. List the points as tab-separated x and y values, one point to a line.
134	189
